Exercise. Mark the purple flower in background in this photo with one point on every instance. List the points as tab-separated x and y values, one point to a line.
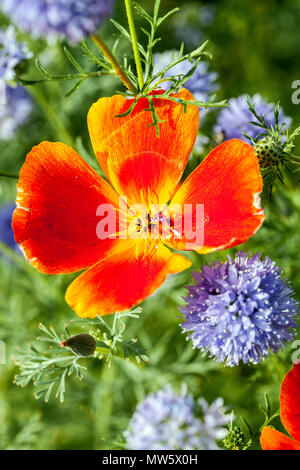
12	53
166	421
6	232
15	103
202	82
74	19
240	310
14	111
235	119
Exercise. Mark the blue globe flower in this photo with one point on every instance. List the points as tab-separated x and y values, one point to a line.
6	231
15	103
166	421
14	111
12	53
240	310
73	19
236	117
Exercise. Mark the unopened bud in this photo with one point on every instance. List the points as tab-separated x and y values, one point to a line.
269	152
82	345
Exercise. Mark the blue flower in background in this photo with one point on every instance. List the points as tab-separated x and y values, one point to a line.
235	118
240	310
166	421
14	111
12	53
192	21
74	19
15	103
6	231
202	82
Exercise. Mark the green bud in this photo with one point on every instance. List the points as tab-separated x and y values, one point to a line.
234	439
269	152
82	345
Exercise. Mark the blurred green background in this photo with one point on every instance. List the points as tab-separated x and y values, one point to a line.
255	48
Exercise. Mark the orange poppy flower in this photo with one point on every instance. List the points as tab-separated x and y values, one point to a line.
58	196
271	439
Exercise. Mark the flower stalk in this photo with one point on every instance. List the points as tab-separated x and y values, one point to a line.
57	125
114	62
8	175
135	47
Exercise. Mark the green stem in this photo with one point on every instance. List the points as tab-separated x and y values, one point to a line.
55	360
104	351
135	46
9	175
50	113
114	62
59	78
110	352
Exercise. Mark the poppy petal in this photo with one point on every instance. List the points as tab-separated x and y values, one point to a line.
290	402
123	279
55	220
270	439
227	185
139	164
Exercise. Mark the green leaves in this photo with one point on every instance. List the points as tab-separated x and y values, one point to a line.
267	411
152	82
49	368
80	76
155	22
112	338
235	439
273	147
108	64
155	116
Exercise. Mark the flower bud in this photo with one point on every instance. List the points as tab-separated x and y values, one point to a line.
82	345
269	152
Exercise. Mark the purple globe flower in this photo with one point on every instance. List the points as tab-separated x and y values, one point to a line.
74	19
202	82
6	231
240	310
14	111
15	103
235	118
11	53
166	421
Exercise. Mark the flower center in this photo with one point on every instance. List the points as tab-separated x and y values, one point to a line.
151	224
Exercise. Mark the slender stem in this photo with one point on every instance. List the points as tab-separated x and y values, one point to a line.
59	78
135	47
9	175
48	362
110	352
104	351
114	62
50	113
